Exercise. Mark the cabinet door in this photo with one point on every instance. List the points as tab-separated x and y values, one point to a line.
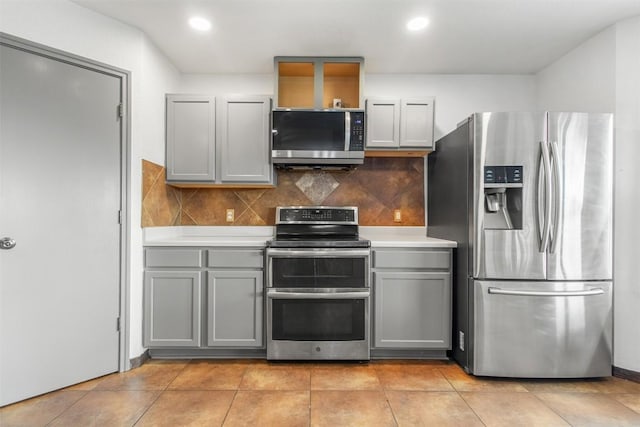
412	310
235	307
245	144
190	138
383	123
172	308
416	123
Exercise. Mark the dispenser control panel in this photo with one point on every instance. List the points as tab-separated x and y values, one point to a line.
503	174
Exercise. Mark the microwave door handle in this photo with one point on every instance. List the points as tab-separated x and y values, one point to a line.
347	130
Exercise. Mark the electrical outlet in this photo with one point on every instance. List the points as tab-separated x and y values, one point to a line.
230	215
397	215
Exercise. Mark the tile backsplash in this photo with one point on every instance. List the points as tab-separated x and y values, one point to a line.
378	187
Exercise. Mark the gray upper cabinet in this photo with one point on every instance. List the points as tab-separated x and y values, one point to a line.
218	142
400	124
190	137
245	145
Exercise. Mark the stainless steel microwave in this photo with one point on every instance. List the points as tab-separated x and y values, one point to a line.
317	138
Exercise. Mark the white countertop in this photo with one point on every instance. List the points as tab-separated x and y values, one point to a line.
406	237
207	236
248	236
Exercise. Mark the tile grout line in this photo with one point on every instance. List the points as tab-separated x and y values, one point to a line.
160	394
67	408
550	408
235	394
462	397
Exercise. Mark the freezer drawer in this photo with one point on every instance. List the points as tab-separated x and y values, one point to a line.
542	329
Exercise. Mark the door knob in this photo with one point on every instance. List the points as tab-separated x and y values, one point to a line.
7	243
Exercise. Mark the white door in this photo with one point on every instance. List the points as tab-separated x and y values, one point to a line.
60	157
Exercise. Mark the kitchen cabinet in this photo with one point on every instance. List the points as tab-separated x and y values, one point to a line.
412	298
315	82
399	125
245	144
190	138
218	141
172	298
183	310
235	298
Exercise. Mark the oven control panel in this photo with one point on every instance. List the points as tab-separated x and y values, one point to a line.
317	215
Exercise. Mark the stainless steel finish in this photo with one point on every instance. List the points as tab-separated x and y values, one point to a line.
272	253
318	157
584	239
316	253
548	188
558	195
540	200
531	293
543	337
506	139
326	294
536	301
7	243
347	131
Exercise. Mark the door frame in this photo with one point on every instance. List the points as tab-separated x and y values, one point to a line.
28	46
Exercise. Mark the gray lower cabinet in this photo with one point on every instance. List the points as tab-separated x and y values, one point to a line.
235	308
203	298
412	298
172	308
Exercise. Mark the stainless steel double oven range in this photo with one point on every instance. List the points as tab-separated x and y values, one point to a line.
317	285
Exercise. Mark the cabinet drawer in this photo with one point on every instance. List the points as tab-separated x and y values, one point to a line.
243	258
173	258
411	259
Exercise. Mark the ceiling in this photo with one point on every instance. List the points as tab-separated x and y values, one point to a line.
464	36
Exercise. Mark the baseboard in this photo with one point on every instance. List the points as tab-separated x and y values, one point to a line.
136	362
626	374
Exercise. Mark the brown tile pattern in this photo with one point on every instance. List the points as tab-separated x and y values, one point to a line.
377	187
590	409
380	393
188	408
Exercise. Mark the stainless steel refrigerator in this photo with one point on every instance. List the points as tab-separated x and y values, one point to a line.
528	198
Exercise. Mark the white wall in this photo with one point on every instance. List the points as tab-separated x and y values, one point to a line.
583	79
602	75
68	27
627	197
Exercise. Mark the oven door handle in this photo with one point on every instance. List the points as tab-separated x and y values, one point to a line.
315	253
273	294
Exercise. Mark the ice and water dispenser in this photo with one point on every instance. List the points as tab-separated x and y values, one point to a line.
503	197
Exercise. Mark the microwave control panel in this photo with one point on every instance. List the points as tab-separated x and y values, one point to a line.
357	131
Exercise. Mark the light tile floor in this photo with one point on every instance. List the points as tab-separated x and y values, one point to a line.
380	393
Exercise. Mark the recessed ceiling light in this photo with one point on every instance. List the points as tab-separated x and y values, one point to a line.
417	24
199	23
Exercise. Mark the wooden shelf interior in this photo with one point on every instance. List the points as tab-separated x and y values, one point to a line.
341	81
295	84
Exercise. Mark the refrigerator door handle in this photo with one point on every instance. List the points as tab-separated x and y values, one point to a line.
557	196
527	293
546	167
